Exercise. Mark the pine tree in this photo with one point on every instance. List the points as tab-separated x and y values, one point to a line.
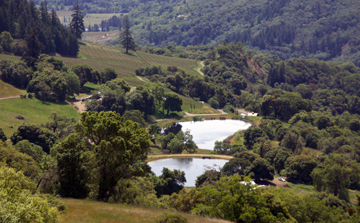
126	39
77	22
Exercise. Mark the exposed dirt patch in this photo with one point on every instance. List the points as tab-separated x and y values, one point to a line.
79	105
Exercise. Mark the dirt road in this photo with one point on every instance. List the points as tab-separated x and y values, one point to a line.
18	96
199	69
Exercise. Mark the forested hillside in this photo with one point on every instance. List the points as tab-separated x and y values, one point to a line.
323	29
21	21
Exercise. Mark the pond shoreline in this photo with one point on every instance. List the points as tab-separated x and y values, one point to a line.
197	155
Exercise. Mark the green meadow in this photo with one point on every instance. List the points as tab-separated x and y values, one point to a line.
33	110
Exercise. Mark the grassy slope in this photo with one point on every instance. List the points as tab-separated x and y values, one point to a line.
101	57
33	110
91	212
7	90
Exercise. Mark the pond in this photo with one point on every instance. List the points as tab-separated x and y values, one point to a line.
205	133
193	167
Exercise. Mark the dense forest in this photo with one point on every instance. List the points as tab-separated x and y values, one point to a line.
326	30
21	20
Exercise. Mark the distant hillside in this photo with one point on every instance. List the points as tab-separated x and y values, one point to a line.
322	29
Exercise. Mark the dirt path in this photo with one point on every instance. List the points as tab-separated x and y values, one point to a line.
79	105
199	69
212	156
10	97
191	115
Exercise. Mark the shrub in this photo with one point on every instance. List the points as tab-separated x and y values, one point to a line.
30	96
172	218
20	117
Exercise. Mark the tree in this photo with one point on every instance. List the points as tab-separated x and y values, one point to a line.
77	22
116	144
172	103
182	141
232	200
72	170
126	39
35	151
18	201
299	168
236	166
334	177
135	116
35	134
2	136
251	135
169	182
34	47
261	169
85	74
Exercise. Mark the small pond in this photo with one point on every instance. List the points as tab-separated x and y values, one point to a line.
205	133
193	167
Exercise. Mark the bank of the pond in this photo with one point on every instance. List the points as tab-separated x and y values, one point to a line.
198	155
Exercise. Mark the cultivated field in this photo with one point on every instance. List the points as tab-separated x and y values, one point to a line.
99	37
92	212
33	110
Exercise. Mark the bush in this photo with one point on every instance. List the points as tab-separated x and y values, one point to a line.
20	117
30	96
172	218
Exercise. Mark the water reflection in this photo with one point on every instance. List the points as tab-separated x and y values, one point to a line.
174	128
193	167
205	133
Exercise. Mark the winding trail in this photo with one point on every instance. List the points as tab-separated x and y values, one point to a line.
10	97
199	69
187	114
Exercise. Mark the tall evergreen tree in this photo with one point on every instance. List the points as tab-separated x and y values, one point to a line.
77	22
126	39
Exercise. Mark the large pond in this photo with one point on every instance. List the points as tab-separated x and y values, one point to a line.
205	133
193	167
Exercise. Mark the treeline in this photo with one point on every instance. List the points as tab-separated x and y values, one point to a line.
19	17
50	79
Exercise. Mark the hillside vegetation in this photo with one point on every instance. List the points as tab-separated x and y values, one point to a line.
327	30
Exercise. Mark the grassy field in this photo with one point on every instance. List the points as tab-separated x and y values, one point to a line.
100	37
9	57
33	110
7	90
93	212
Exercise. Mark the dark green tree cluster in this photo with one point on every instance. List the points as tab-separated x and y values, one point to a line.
41	30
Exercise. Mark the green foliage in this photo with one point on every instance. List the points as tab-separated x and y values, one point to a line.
169	182
172	218
185	200
261	169
85	74
126	40
117	145
235	201
77	22
135	116
251	135
72	167
236	166
172	103
35	134
13	158
2	136
18	202
16	74
35	151
299	168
